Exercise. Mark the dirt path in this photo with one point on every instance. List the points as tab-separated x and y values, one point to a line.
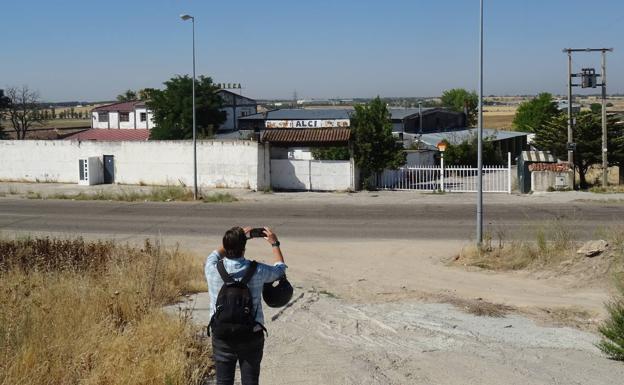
365	313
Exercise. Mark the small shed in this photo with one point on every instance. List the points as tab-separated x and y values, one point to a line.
527	158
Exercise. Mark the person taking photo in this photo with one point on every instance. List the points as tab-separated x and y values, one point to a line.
235	286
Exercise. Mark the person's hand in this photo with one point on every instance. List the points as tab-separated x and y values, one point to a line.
271	237
247	229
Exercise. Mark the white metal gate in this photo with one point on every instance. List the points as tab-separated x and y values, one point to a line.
448	179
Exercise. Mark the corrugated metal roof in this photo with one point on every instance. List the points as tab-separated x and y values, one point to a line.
313	135
402	113
328	113
538	156
121	107
112	135
458	136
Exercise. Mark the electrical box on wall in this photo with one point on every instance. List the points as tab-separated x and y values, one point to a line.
90	171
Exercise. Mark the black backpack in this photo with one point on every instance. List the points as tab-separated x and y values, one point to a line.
234	317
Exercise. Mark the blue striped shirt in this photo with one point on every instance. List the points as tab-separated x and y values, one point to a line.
236	268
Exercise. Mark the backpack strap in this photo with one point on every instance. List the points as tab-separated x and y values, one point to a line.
223	273
251	270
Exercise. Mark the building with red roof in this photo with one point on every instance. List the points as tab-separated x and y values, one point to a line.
125	115
111	135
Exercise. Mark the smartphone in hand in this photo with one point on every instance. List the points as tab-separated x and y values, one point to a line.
257	232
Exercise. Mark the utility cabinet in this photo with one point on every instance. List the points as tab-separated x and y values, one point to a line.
90	171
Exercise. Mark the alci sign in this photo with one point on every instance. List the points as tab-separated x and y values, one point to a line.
329	123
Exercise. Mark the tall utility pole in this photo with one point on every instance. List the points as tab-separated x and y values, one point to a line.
605	160
589	81
480	137
570	138
419	118
187	17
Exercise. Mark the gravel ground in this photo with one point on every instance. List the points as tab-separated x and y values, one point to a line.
379	323
325	340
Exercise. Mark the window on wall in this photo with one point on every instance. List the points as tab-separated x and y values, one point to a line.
124	116
143	116
103	117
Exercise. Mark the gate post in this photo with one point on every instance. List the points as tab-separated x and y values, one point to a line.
442	171
509	172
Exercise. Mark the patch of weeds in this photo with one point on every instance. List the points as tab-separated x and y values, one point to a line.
219	198
569	316
157	194
554	242
34	195
267	190
481	308
170	193
607	189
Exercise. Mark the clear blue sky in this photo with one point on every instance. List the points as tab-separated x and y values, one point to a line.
94	50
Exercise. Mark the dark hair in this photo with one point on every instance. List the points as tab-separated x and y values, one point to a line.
234	242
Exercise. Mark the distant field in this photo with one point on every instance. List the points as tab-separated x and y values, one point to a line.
500	121
66	123
82	109
55	123
498	117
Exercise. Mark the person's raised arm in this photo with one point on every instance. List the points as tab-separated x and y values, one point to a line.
271	237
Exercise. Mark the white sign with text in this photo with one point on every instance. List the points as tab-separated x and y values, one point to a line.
328	123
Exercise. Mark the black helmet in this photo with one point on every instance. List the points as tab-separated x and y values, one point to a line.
277	293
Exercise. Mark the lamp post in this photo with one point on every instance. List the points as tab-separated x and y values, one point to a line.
186	17
480	136
441	147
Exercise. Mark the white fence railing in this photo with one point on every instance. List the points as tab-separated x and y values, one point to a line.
448	179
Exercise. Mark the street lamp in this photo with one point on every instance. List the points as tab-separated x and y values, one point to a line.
186	17
442	147
480	135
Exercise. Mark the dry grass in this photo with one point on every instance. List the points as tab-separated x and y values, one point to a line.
554	242
499	121
480	307
156	194
607	190
594	176
552	252
90	313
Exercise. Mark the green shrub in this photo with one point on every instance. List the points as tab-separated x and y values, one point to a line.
220	198
612	329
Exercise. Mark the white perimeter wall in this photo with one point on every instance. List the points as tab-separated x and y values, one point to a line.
315	175
228	164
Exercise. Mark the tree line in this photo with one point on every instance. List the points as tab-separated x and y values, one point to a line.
550	126
374	147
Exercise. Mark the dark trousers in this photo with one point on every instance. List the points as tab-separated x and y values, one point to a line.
247	352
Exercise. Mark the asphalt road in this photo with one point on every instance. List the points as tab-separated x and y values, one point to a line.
453	221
